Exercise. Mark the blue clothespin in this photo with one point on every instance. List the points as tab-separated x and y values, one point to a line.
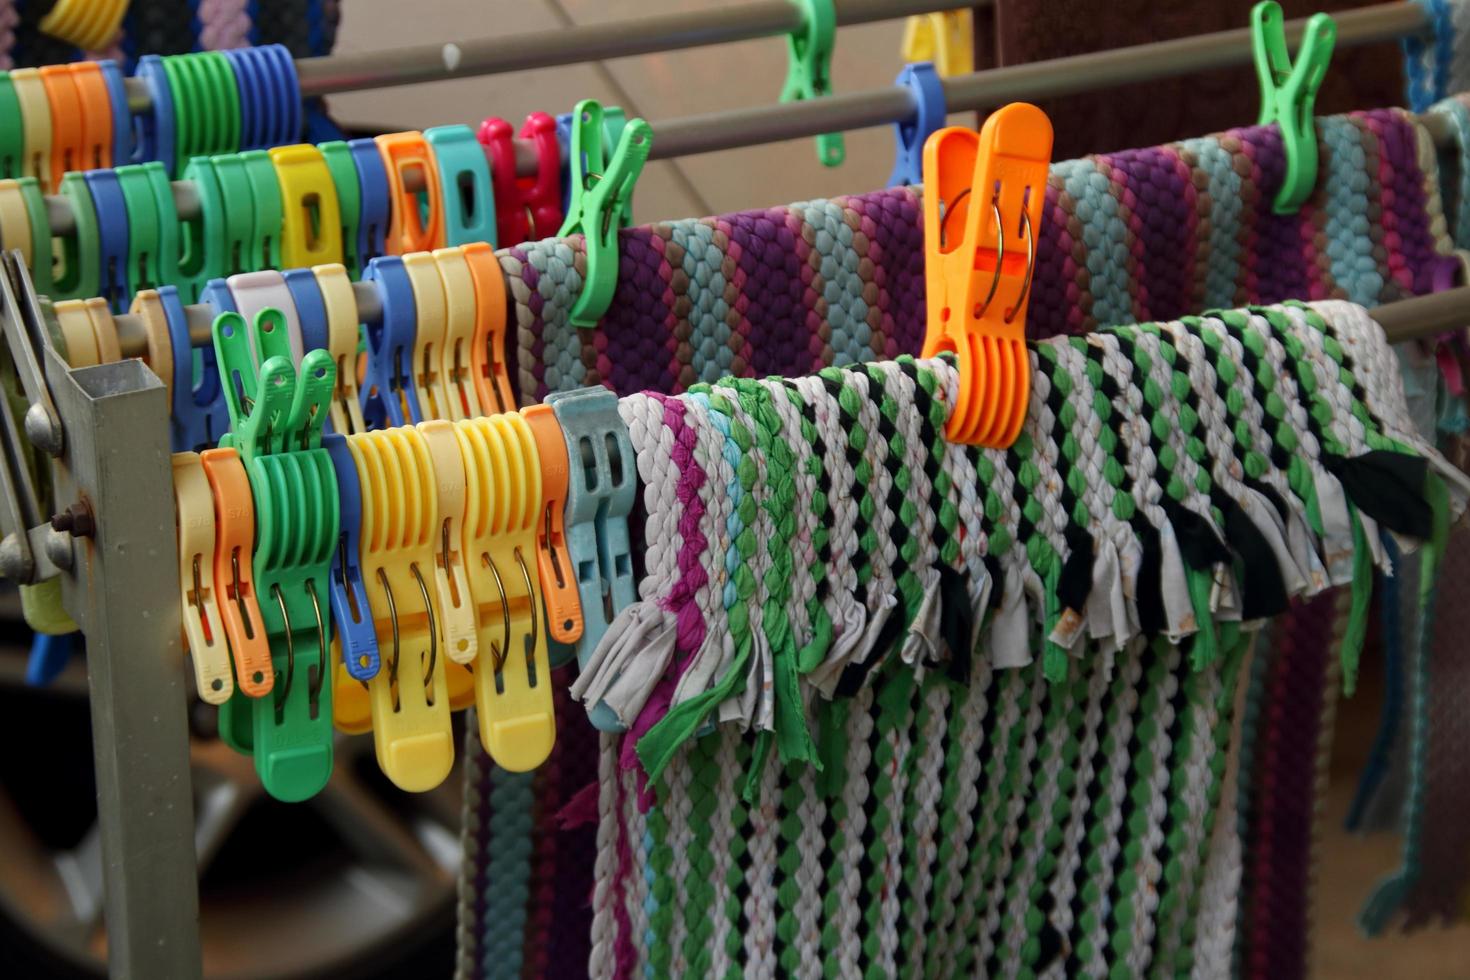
122	116
464	185
599	500
198	415
154	135
388	394
351	614
112	238
375	207
310	310
927	88
49	656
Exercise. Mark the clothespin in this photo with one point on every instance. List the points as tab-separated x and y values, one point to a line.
558	580
89	24
198	415
113	228
456	604
600	497
350	610
526	208
389	396
337	155
430	313
602	195
614	119
160	356
35	117
809	68
24	225
375	201
400	530
946	38
983	197
416	222
455	391
468	197
343	332
311	219
488	368
258	400
234	546
122	117
924	84
504	506
153	224
252	293
81	254
1289	93
199	600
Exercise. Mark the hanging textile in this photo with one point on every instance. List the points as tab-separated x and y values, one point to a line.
1051	797
1438	66
1127	237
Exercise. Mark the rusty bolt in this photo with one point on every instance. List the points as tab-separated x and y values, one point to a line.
76	520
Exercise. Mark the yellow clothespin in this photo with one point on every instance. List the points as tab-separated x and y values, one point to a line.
203	626
400	523
947	39
455	602
459	399
504	509
342	337
430	312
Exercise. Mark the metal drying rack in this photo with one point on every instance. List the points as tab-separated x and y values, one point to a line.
105	428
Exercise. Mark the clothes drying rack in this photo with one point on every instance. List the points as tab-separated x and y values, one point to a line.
107	425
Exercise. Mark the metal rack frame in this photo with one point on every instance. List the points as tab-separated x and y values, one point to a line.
105	428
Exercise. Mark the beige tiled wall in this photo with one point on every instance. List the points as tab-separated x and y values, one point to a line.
661	86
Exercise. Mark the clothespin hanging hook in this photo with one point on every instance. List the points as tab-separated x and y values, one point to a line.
1289	93
809	68
602	192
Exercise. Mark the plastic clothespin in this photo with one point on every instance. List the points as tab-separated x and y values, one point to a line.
254	292
153	224
337	155
311	312
416	222
924	84
388	395
558	580
983	198
198	415
488	368
946	38
234	546
343	333
614	119
311	220
600	497
259	399
203	624
504	506
350	610
122	117
809	68
24	225
455	392
456	604
112	238
410	700
468	197
375	202
160	356
602	193
526	208
79	276
430	313
1289	93
35	118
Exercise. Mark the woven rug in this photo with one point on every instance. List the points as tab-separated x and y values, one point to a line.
875	792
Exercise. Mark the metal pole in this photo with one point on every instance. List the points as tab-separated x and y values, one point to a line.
122	590
593	42
1424	316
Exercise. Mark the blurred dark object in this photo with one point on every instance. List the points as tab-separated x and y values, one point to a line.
1014	32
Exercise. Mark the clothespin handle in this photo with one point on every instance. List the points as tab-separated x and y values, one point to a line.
809	68
1289	94
991	187
602	193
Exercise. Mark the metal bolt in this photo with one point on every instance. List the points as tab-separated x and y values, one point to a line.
58	549
76	520
43	430
12	561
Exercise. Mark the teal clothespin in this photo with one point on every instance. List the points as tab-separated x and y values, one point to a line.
1289	92
602	196
809	68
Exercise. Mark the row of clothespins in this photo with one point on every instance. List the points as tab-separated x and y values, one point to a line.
379	581
300	205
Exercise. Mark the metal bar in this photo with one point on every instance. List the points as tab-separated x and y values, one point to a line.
121	589
1424	316
593	42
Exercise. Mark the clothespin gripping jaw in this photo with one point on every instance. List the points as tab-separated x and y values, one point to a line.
1289	94
602	191
982	209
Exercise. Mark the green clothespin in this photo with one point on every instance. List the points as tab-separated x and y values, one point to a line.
1289	92
258	402
809	68
602	200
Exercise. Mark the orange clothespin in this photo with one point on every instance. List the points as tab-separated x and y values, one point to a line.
982	207
409	161
558	579
234	548
487	347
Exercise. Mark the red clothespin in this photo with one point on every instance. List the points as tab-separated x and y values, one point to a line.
982	210
526	208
